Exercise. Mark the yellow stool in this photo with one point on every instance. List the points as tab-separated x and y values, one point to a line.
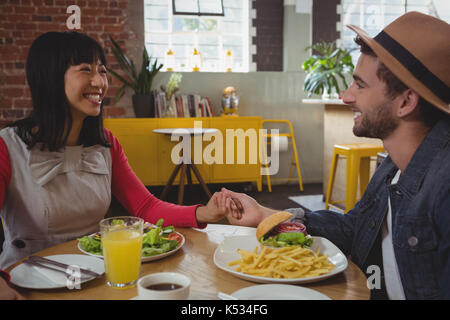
358	163
294	157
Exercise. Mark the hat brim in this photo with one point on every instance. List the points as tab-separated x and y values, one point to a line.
400	71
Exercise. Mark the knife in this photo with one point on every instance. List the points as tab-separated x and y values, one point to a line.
42	260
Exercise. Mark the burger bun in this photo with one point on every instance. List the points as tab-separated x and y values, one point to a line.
271	222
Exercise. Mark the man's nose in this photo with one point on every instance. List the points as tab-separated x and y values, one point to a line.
348	97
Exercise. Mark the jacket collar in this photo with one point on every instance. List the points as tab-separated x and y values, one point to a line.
412	178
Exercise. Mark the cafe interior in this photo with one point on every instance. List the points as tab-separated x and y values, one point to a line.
240	71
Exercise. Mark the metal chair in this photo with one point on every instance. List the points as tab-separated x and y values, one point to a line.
294	157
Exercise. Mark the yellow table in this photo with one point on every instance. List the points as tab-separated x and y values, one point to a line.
186	163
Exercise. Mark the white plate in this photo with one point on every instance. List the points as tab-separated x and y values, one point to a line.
27	276
143	259
227	252
278	292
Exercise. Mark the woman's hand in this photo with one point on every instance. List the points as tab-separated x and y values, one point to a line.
251	215
216	209
8	293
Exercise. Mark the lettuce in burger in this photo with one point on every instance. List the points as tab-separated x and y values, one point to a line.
277	231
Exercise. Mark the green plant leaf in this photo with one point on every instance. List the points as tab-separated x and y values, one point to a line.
125	63
120	78
343	80
325	70
140	82
120	93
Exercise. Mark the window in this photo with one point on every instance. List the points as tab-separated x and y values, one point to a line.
198	7
374	15
212	36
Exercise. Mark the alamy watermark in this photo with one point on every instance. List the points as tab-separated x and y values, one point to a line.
73	277
374	280
235	140
74	20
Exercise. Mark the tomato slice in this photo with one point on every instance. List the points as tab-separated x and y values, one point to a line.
175	236
289	227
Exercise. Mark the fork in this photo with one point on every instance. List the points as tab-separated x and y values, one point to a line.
37	264
43	261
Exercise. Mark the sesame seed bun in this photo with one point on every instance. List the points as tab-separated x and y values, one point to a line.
271	222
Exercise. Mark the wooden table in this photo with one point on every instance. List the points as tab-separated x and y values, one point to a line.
195	260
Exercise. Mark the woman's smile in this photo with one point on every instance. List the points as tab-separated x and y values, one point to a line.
94	97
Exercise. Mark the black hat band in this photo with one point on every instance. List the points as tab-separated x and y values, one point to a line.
413	65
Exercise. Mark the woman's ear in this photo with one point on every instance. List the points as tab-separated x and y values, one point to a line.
408	103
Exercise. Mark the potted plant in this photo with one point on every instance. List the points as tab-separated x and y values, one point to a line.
325	68
169	90
140	82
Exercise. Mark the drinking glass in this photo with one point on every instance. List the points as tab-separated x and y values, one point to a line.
122	245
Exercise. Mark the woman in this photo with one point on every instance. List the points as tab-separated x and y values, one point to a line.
59	166
6	291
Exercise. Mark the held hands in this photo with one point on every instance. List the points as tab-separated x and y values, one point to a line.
216	209
238	208
251	213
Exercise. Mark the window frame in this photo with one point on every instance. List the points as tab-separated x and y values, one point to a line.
241	58
199	13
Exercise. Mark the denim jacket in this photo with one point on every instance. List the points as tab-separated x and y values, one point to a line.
420	218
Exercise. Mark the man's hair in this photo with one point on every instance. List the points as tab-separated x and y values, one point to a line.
394	86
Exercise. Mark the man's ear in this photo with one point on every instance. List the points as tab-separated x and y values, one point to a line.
408	103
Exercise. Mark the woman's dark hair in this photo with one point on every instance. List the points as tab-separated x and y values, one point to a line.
429	113
49	57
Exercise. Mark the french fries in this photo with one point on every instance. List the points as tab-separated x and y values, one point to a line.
284	263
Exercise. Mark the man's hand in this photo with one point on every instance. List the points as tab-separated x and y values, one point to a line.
252	214
8	293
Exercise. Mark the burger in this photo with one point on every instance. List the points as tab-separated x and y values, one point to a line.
277	231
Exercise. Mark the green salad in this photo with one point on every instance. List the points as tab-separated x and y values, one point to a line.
156	240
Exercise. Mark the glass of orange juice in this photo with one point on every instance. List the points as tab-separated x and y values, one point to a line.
122	245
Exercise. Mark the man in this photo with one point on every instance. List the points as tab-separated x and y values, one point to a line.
401	95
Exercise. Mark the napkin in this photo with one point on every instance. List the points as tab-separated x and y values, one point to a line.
69	279
53	276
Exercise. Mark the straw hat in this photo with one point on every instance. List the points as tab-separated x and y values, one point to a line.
416	48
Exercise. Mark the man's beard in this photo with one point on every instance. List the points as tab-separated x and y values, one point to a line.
378	123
